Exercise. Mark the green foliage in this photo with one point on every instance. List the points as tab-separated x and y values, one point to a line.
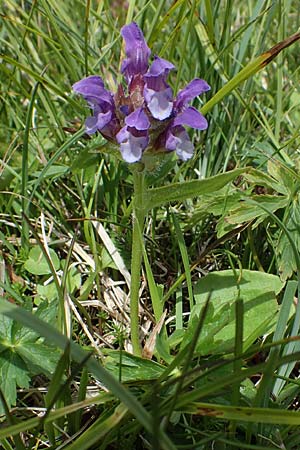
37	263
23	353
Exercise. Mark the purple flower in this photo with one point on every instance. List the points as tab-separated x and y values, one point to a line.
133	138
176	137
137	52
157	93
145	111
101	102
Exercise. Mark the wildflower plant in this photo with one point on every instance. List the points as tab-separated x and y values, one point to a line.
142	117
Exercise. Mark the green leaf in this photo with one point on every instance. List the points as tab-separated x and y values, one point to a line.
13	373
182	191
53	171
23	353
73	280
246	212
48	292
78	354
285	176
256	415
158	166
37	263
84	159
257	290
40	358
285	253
249	70
133	368
263	179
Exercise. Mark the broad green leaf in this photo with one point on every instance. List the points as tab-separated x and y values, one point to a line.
45	311
215	321
216	204
37	263
48	292
13	373
246	212
133	368
39	357
257	290
260	178
285	176
23	353
182	191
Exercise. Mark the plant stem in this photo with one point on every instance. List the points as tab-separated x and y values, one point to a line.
136	257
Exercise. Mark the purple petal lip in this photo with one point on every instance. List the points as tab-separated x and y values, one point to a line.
160	103
192	90
138	120
156	76
132	146
136	49
97	122
93	91
157	93
192	118
178	140
86	83
159	66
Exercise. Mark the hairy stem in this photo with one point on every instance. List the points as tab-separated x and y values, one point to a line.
136	257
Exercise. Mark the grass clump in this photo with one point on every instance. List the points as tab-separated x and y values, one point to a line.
213	359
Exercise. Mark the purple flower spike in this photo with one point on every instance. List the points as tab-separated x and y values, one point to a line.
137	52
143	111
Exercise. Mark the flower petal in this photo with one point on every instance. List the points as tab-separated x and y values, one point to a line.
160	103
131	147
91	125
103	119
93	91
157	93
178	140
159	67
192	90
138	119
137	51
192	118
83	86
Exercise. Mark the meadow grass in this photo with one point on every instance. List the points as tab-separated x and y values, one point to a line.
218	318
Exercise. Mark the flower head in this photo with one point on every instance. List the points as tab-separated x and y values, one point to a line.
132	116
